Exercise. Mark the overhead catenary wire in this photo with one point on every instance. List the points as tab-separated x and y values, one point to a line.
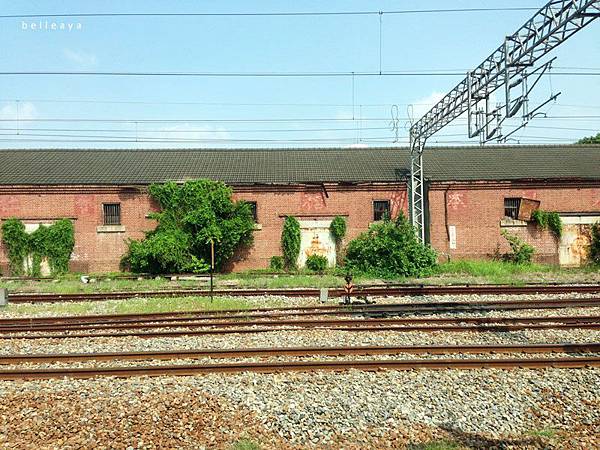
352	74
270	13
255	120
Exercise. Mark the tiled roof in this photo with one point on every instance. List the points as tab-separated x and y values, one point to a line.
284	166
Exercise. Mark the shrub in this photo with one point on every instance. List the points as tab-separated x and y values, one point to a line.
548	220
276	263
290	242
595	244
522	252
391	249
54	242
16	241
192	215
316	263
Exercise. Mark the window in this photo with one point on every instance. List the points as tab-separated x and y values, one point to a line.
381	209
254	211
112	213
511	207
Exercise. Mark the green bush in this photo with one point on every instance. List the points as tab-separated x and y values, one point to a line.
595	244
316	263
290	242
522	252
192	215
276	263
54	242
390	249
16	241
548	220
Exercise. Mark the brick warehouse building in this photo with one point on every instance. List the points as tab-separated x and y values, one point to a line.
473	193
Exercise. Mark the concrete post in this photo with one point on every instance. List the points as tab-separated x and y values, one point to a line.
3	296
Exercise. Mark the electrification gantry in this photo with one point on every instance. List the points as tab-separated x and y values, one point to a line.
511	65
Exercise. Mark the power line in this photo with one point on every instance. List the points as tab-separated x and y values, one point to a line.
133	121
264	74
274	14
183	131
157	102
257	120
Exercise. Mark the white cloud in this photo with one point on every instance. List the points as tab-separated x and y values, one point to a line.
189	135
18	110
362	145
80	57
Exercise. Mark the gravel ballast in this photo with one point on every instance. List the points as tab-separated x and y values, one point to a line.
386	409
302	410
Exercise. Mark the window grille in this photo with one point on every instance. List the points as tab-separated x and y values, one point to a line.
112	213
381	209
511	207
254	210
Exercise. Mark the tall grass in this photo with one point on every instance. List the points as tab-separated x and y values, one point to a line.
482	268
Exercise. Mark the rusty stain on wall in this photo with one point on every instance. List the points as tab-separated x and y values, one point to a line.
574	246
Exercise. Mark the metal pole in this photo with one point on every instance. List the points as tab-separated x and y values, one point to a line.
212	268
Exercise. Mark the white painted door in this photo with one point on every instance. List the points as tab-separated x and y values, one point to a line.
315	239
573	249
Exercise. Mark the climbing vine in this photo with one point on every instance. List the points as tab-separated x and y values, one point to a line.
16	242
548	220
54	242
290	242
595	244
337	228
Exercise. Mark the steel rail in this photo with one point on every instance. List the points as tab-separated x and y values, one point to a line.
232	330
592	347
305	323
416	290
299	366
390	308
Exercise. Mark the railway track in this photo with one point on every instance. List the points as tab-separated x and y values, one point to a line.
365	326
301	323
405	290
299	366
391	309
300	351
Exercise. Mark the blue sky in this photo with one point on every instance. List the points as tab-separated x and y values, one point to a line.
317	111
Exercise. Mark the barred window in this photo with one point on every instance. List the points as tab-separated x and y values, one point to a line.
511	207
381	209
254	210
112	213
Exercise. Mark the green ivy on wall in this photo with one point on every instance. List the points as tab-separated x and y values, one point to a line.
290	242
337	228
548	220
54	242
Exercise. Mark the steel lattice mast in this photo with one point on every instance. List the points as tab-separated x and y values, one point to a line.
508	65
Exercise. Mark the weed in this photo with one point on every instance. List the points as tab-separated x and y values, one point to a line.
245	444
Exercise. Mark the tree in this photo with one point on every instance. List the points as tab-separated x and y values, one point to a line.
192	215
590	140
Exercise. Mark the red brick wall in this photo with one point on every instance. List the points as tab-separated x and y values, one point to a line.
101	252
356	203
477	209
94	251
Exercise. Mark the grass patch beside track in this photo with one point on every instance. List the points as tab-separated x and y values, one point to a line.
131	306
454	272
